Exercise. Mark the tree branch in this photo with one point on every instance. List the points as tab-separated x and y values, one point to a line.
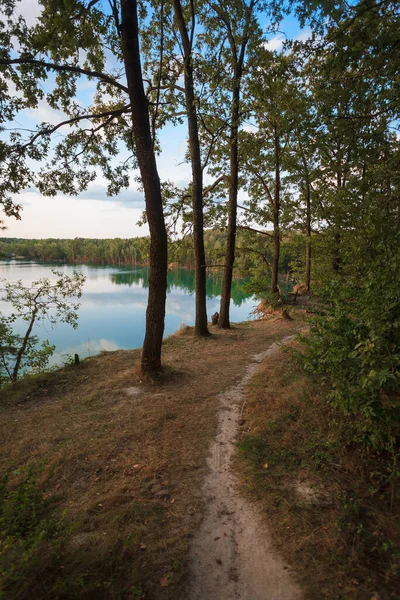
51	130
260	231
64	69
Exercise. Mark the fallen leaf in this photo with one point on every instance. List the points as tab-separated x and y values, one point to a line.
164	582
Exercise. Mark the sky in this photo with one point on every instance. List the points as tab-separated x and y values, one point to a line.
93	214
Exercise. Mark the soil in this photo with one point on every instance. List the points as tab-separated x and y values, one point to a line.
231	554
125	460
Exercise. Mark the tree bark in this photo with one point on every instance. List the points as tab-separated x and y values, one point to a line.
277	207
308	238
21	351
224	320
308	261
200	327
307	193
336	261
155	314
237	63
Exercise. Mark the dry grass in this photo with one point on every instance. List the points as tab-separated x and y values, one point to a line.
332	509
125	470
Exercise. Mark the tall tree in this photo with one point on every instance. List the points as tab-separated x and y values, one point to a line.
235	21
187	39
73	41
265	151
155	314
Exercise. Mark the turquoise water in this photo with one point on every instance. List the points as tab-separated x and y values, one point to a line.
113	305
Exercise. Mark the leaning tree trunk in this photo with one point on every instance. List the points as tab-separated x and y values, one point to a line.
155	314
276	207
200	327
223	320
21	351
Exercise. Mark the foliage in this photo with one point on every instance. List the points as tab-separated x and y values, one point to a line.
331	506
315	129
357	345
30	540
45	300
80	250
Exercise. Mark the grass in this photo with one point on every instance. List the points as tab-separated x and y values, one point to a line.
108	469
332	508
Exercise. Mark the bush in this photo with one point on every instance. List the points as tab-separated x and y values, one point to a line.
30	540
357	345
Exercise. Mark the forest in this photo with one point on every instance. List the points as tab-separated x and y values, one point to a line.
308	135
250	249
294	155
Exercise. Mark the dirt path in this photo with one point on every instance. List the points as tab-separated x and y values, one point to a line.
231	554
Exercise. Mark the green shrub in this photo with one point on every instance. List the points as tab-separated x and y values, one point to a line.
30	539
357	346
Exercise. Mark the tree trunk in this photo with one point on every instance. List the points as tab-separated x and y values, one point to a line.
155	314
200	327
307	190
224	320
308	238
21	351
277	233
336	261
238	52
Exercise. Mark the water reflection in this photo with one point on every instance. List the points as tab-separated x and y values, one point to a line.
113	304
181	279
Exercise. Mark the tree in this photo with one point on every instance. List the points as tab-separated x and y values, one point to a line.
236	24
45	300
73	41
265	150
195	156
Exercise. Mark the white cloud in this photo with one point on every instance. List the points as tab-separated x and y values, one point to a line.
250	127
45	114
275	43
65	217
84	349
304	35
30	10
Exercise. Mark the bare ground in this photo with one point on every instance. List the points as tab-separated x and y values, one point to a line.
124	462
231	554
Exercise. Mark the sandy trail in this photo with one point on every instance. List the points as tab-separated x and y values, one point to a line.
231	554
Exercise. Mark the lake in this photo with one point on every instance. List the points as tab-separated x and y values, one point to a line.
113	305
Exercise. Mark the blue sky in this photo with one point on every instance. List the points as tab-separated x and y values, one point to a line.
93	214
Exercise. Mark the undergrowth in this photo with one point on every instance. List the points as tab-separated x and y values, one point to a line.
331	502
32	537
